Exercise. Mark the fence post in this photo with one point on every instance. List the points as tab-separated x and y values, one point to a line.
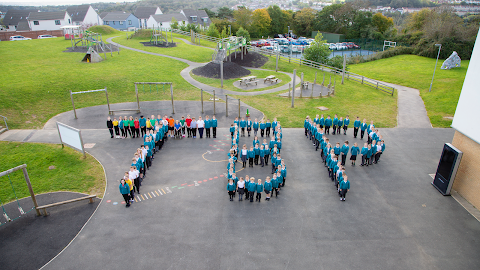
323	82
108	103
301	86
73	104
393	91
138	100
313	85
171	93
30	189
201	98
221	73
289	88
293	87
377	85
226	105
343	69
276	64
362	79
238	108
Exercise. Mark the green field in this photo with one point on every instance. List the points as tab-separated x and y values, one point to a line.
416	72
228	84
37	78
182	50
72	172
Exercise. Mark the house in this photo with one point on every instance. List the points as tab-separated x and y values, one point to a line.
48	20
198	17
84	15
164	20
121	20
14	17
144	13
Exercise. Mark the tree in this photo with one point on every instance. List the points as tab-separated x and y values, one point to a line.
260	22
225	13
243	17
243	33
279	18
317	51
174	23
303	22
213	31
382	23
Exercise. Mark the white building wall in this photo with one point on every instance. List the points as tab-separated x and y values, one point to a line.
92	17
49	24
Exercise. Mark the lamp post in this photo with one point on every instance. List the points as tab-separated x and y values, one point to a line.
439	48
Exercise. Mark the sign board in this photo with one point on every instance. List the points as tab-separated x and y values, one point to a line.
71	137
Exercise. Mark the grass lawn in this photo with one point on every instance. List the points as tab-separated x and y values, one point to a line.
182	50
204	43
72	172
416	72
228	84
351	99
37	77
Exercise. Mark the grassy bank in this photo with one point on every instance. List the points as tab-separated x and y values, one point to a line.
416	72
71	173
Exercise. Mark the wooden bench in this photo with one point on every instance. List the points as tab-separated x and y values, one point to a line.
44	207
276	80
251	82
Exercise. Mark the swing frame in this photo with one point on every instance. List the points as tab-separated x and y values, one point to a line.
23	167
155	83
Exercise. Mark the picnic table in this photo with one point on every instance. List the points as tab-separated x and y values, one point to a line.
270	78
248	80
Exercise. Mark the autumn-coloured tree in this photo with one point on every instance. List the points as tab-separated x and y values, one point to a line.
303	22
260	23
382	23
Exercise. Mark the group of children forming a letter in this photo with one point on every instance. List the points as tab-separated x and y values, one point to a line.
258	154
334	157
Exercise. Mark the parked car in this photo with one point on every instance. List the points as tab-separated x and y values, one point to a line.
332	46
340	46
12	38
45	36
278	36
354	46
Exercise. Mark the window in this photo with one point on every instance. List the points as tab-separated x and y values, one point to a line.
129	22
106	22
194	18
205	19
36	23
113	22
68	21
120	22
57	22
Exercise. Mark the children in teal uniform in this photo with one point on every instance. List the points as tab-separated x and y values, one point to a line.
339	125
252	186
262	155
354	152
208	125
262	128
279	180
251	156
328	124
255	127
363	127
259	190
214	126
125	191
369	154
266	150
232	129
230	189
274	160
344	151
267	188
275	185
356	126
336	149
241	189
344	187
306	124
334	124
243	125
346	122
268	125
255	141
257	153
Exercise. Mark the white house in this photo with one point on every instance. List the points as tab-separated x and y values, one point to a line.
48	20
14	18
164	20
144	13
84	15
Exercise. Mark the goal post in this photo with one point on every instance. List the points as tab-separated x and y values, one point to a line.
387	43
88	91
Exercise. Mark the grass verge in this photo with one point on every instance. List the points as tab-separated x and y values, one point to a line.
416	72
72	172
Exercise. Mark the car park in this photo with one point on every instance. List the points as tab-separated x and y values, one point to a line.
13	38
45	36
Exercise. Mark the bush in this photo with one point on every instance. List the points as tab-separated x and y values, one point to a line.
336	61
243	33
